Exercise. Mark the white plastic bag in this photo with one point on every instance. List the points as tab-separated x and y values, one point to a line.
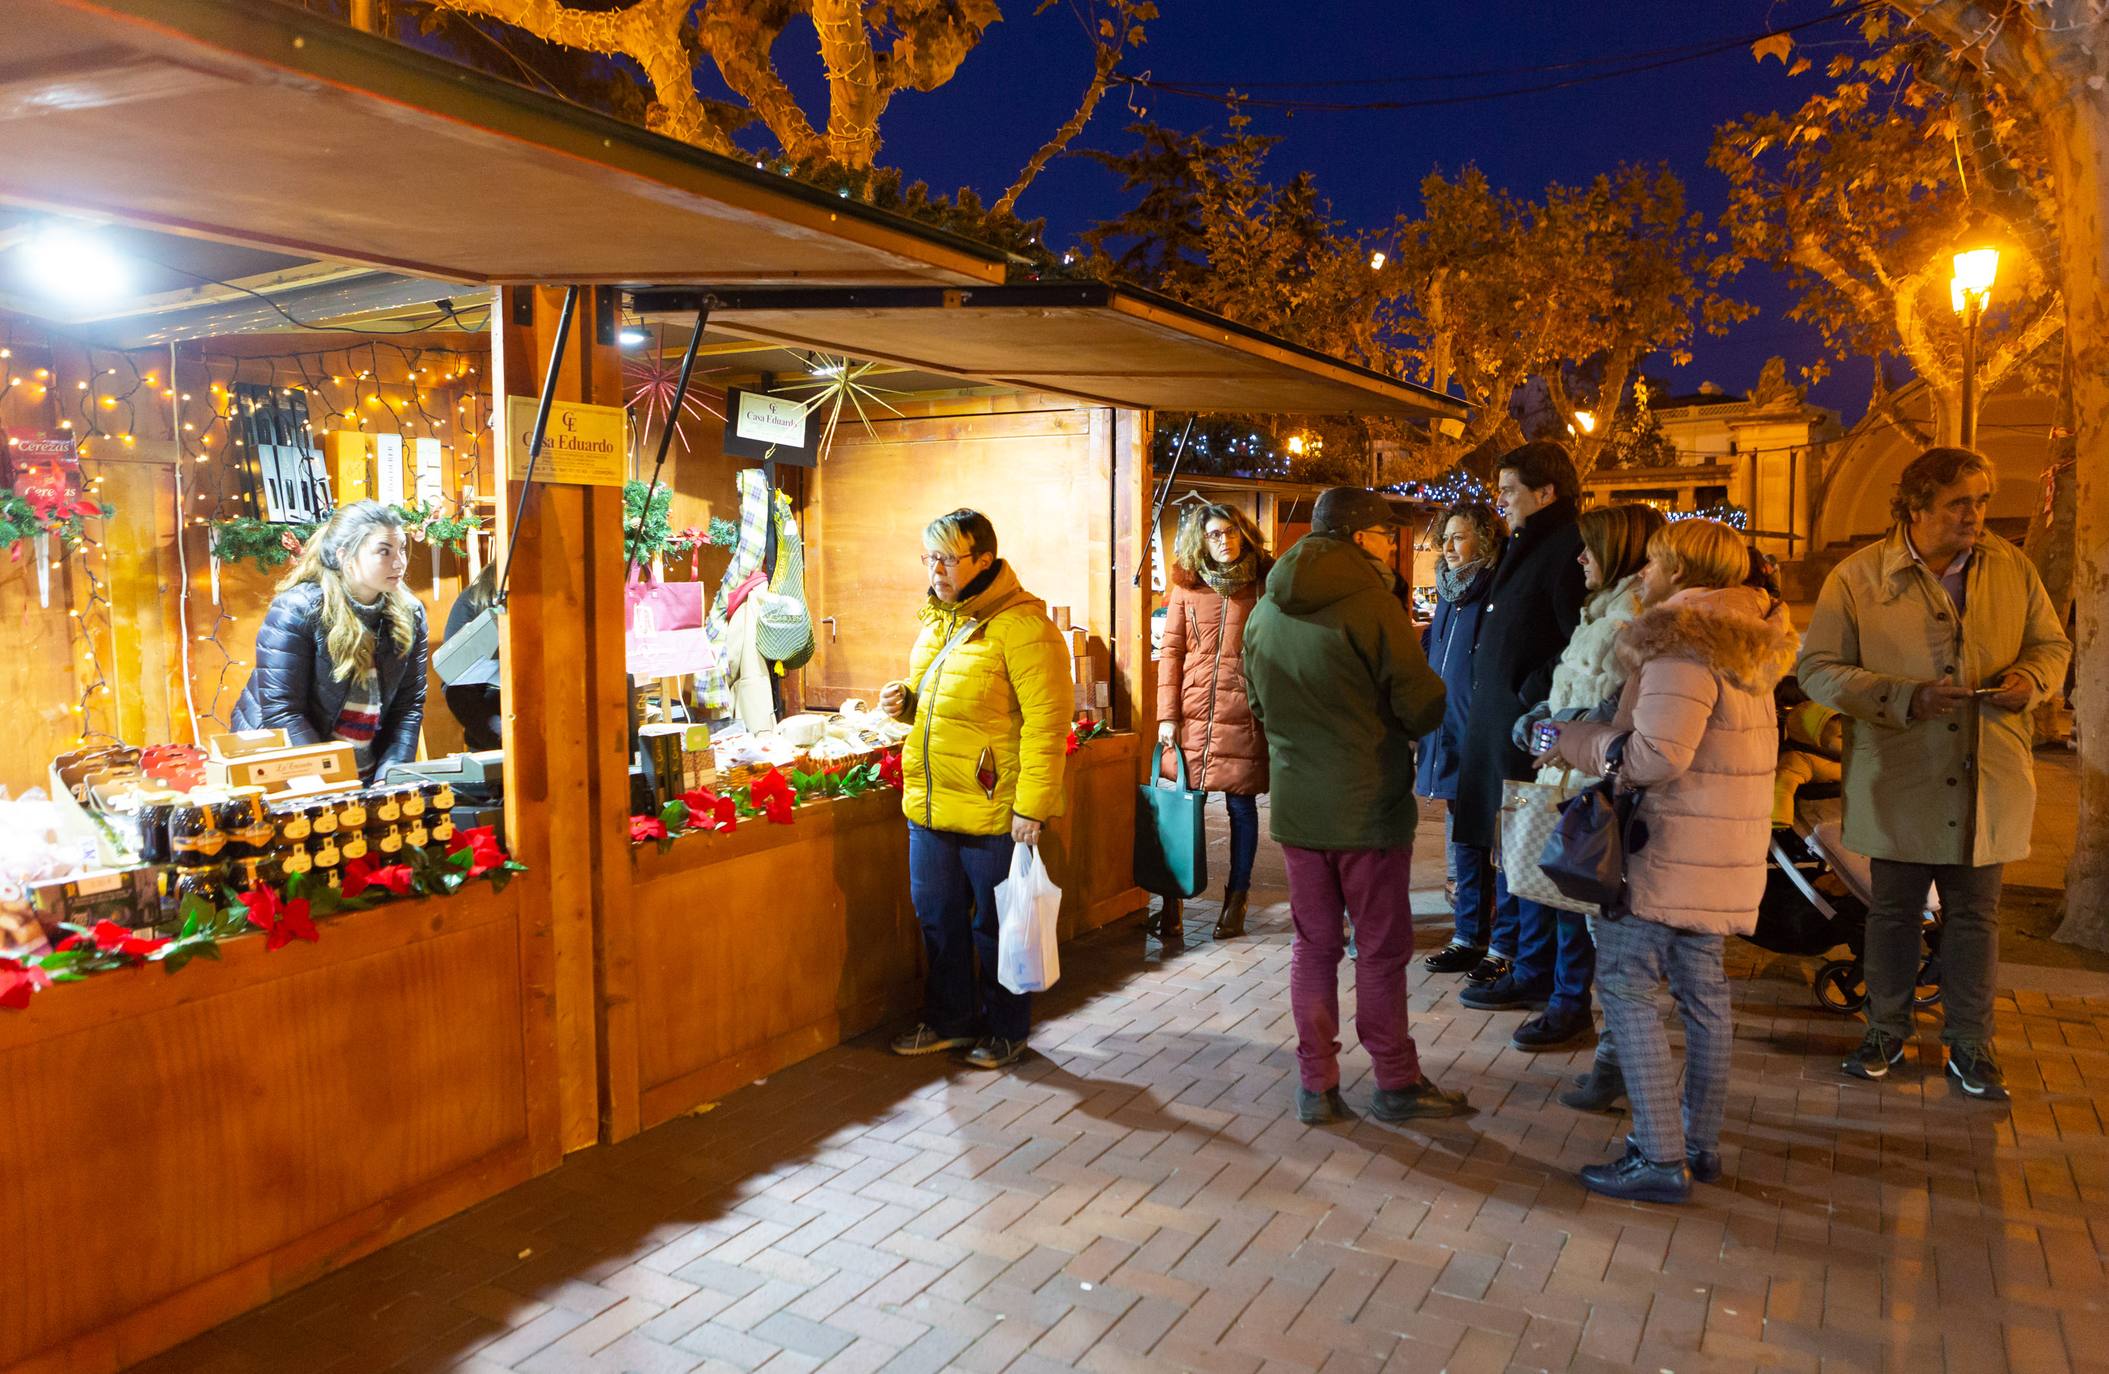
1028	909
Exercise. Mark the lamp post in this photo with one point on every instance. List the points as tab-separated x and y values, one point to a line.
1970	290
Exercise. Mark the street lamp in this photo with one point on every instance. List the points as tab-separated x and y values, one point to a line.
1587	420
1970	291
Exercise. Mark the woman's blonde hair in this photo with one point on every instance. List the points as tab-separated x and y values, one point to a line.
1190	545
1618	538
961	534
1701	553
322	560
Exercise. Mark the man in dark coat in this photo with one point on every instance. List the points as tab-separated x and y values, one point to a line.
1532	611
1337	680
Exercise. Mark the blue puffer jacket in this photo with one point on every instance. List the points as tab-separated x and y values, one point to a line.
294	686
1449	640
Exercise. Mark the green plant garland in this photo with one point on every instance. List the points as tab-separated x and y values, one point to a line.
655	536
246	539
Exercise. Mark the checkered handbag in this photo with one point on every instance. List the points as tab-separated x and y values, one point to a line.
1529	813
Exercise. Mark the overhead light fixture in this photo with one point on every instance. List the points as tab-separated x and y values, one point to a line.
75	261
631	338
1376	261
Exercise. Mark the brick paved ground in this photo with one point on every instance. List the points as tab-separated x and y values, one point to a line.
1138	1195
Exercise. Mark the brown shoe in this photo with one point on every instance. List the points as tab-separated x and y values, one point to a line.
1169	924
1231	923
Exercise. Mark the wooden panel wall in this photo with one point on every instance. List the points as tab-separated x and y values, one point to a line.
1039	468
183	1148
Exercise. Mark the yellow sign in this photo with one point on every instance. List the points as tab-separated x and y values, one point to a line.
585	446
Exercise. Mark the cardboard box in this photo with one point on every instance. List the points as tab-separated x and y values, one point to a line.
131	897
299	768
347	455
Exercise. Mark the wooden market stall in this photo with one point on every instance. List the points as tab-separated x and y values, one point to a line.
183	1147
737	954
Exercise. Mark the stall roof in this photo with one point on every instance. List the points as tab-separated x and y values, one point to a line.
253	122
1113	345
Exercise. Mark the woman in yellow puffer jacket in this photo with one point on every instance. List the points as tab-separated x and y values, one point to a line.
988	694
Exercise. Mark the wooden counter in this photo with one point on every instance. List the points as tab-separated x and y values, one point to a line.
179	1148
739	954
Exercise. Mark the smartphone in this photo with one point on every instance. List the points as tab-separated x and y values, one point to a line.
1543	736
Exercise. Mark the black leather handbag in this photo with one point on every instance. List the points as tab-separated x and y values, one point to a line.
1585	856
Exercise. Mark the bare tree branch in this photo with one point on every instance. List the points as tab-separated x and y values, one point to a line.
738	39
1112	42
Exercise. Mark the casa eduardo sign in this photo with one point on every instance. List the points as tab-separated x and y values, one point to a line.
586	445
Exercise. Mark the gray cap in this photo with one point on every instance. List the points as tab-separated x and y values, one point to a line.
1343	510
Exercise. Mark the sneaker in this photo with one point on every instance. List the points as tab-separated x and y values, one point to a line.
1636	1178
1421	1101
924	1040
1491	969
1879	1052
1321	1108
1551	1030
1454	958
994	1052
1598	1090
1504	994
1976	1072
1704	1164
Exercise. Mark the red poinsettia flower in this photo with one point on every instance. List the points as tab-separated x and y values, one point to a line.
19	982
890	769
482	844
290	543
775	809
368	870
1074	744
112	938
644	828
772	786
709	811
281	921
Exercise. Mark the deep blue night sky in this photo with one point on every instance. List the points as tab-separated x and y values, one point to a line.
1023	80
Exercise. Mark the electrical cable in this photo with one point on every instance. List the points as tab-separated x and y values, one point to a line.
1232	95
447	311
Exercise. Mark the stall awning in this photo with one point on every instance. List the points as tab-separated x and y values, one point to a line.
257	123
1113	345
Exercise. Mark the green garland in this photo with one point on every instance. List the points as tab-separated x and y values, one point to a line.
246	539
654	536
19	521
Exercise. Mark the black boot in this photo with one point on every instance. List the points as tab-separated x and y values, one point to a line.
1169	924
1598	1090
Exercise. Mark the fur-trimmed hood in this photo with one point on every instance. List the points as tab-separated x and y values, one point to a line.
1740	633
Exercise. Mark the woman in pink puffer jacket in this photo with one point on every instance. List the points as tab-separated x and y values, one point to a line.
1700	738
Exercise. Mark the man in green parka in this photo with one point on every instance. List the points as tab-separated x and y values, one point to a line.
1337	679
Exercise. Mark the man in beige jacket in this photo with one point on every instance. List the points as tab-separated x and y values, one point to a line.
1936	643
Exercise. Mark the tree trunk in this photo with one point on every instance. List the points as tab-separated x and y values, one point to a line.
854	98
2080	148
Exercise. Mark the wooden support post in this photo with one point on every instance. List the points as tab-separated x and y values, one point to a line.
1134	675
567	783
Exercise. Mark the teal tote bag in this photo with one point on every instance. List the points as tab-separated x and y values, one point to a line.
1171	841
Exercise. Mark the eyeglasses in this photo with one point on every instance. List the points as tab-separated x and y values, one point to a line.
1223	536
938	560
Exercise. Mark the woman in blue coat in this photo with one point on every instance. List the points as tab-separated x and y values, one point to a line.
1472	540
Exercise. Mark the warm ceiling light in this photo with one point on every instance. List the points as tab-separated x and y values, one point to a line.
631	338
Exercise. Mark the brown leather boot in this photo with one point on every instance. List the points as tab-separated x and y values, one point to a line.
1169	924
1231	923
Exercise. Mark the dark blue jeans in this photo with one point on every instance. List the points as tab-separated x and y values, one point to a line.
1502	939
1244	839
952	881
1554	951
1472	909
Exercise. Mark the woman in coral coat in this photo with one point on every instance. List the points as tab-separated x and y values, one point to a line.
1219	568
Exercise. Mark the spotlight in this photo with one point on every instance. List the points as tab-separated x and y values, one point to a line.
70	260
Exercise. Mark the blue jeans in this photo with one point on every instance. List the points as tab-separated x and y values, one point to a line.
1553	950
1472	909
952	881
1501	941
1244	839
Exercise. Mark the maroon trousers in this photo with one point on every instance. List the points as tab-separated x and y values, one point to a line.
1369	888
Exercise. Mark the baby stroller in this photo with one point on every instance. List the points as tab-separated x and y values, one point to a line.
1817	891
